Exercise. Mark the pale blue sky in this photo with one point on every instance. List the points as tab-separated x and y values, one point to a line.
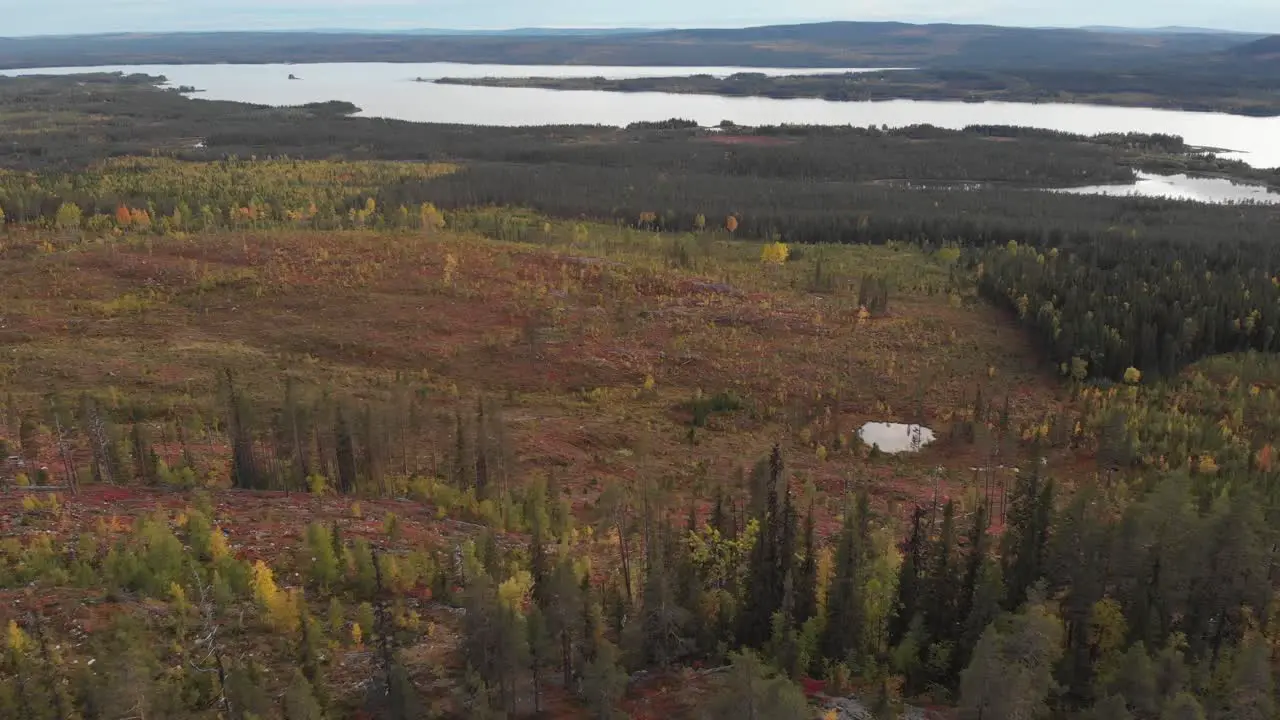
43	17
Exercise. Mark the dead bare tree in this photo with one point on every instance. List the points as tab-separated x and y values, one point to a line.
99	442
64	451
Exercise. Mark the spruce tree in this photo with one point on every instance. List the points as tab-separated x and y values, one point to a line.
345	451
663	623
1027	535
842	638
144	458
807	579
907	604
300	701
769	561
942	586
541	653
245	473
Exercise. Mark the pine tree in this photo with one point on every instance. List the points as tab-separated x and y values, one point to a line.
1011	673
310	649
754	691
494	638
1134	682
321	559
300	701
1184	706
1111	707
402	697
603	683
1252	693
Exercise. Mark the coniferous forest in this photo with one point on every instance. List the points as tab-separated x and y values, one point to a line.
314	416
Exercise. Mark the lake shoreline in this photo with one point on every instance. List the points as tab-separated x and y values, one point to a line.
894	84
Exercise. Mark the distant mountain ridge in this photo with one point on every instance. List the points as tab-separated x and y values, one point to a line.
510	32
830	44
1168	29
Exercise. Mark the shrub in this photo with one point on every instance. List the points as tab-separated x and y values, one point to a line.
703	407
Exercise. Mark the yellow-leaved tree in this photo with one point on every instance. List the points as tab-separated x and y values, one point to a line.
429	217
1132	376
1107	631
775	253
68	217
278	607
16	641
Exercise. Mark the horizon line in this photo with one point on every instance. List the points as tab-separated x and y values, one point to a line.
619	29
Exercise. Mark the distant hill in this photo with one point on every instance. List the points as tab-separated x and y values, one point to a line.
1268	48
1167	30
833	44
513	32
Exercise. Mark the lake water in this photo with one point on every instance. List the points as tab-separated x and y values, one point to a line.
1182	187
896	437
388	90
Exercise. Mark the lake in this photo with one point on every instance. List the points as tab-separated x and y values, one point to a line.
388	90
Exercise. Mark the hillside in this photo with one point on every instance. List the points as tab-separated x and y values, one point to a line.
1267	48
838	44
604	363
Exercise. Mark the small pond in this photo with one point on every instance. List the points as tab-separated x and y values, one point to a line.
896	437
1182	187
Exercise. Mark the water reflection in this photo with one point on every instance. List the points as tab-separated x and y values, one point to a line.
1182	187
895	437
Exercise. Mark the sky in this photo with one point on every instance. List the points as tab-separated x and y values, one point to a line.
61	17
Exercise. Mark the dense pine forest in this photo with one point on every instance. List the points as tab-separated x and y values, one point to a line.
314	416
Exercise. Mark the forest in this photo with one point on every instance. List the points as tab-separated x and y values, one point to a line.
310	416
